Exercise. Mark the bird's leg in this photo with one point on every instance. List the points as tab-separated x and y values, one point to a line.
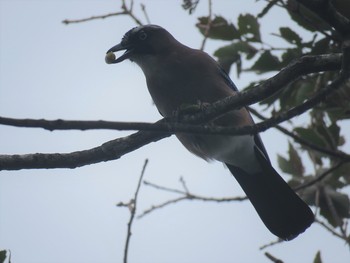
187	108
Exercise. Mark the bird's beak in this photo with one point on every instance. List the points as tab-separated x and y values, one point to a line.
120	46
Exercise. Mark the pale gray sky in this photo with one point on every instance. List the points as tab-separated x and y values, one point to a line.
50	70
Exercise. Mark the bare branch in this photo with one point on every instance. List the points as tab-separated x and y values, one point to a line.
185	195
72	21
133	204
143	8
208	26
129	11
155	207
332	231
111	150
125	11
278	241
272	258
164	188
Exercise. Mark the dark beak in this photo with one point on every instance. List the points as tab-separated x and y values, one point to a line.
126	55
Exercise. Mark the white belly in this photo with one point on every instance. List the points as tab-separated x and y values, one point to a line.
235	150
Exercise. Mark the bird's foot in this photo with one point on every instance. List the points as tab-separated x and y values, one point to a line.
188	109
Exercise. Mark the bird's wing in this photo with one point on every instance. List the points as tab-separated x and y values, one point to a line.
257	139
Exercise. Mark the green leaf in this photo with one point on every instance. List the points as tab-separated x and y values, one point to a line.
334	130
219	29
294	165
249	27
320	47
295	160
267	8
266	62
344	171
234	48
290	54
290	36
338	113
338	201
317	258
311	135
230	54
304	92
284	164
3	256
190	5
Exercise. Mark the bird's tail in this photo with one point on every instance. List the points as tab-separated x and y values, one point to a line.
278	206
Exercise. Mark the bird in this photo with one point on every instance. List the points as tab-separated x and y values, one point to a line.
177	75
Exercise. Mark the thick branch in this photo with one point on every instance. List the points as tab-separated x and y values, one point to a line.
299	67
116	148
111	150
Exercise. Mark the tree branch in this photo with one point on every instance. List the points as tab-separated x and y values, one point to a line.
110	150
125	11
185	194
273	258
331	230
133	204
319	177
116	148
301	141
72	21
301	66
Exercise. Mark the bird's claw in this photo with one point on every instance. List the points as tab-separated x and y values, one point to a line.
187	109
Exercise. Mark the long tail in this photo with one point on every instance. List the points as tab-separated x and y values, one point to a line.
278	206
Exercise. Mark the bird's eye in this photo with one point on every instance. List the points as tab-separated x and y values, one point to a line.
142	35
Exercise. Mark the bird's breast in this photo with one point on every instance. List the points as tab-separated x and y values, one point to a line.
175	82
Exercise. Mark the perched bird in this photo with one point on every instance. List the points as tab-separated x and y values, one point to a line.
177	75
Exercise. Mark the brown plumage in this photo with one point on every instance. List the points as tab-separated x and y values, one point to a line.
177	75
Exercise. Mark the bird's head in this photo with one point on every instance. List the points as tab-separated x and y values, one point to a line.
142	41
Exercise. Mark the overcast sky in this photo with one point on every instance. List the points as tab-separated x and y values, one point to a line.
51	70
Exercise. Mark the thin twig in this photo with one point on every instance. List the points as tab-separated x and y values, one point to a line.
133	203
331	230
163	188
155	207
278	241
182	181
71	21
208	25
334	212
126	11
299	139
129	12
143	8
320	177
272	258
185	195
